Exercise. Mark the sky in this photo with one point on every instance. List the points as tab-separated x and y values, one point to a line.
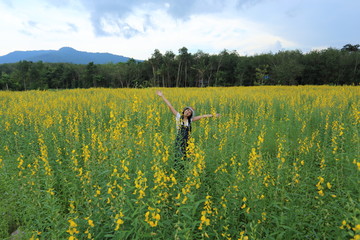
136	28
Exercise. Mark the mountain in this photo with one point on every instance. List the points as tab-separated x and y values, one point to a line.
63	55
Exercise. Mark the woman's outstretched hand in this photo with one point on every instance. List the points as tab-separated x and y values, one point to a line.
159	93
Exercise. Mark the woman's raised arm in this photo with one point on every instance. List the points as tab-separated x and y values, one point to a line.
205	116
159	93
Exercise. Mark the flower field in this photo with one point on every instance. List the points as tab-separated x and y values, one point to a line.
280	163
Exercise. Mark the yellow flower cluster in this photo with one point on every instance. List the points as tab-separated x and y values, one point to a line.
91	225
119	220
206	213
44	156
152	216
320	186
254	163
140	185
243	236
72	230
354	231
106	153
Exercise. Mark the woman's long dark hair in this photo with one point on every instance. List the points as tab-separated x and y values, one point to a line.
189	118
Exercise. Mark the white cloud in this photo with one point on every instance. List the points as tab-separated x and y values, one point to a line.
137	28
40	26
210	34
136	35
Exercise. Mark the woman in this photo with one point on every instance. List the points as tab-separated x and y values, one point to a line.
183	124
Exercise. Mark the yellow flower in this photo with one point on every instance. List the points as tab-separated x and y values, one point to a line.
119	221
72	223
357	237
153	224
242	236
357	228
263	216
91	223
152	216
157	217
51	191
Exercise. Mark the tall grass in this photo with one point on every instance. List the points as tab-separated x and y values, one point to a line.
280	163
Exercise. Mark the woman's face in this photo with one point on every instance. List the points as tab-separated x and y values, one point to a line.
187	112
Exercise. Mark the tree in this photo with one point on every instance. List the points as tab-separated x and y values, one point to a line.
70	76
219	61
22	73
4	81
132	74
262	74
351	48
91	71
156	62
328	66
202	66
170	69
184	60
287	67
36	73
354	51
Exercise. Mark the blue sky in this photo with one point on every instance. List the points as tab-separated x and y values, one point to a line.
135	28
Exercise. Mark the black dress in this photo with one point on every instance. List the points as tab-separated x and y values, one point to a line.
181	142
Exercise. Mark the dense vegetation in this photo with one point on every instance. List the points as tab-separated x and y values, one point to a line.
329	66
282	162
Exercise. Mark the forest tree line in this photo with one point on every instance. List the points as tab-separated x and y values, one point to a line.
329	66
